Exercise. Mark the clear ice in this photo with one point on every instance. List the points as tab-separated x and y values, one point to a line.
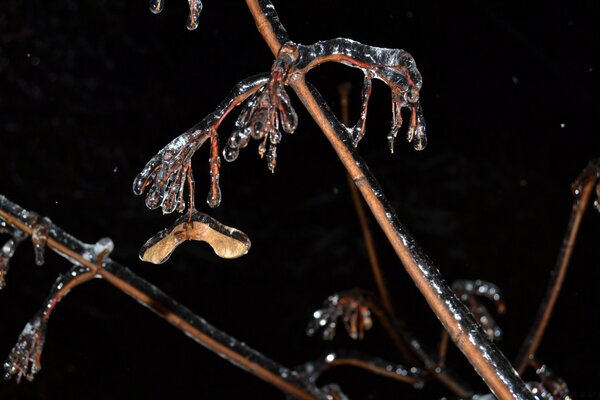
349	306
156	6
266	112
395	67
24	359
39	237
195	10
8	250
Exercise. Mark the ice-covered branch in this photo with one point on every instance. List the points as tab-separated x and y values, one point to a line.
164	177
314	369
93	259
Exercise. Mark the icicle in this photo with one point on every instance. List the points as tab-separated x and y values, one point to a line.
195	10
272	157
359	129
396	119
39	237
287	114
104	247
156	6
420	137
214	195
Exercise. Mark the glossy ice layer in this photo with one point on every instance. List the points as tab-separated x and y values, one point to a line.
395	67
469	291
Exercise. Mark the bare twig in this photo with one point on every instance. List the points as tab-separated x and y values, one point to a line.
150	296
582	189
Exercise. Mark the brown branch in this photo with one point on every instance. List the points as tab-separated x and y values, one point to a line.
485	357
536	333
314	369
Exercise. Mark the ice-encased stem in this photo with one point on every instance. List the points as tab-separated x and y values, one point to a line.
163	305
486	358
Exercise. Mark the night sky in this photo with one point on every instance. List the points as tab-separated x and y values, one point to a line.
90	90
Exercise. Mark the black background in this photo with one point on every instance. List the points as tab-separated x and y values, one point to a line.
90	90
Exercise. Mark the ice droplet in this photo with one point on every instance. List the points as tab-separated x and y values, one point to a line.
39	237
195	10
230	153
156	6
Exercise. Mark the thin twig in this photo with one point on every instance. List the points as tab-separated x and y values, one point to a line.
485	357
419	355
536	333
314	369
163	305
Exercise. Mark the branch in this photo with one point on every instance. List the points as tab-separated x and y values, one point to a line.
582	190
485	357
354	308
311	371
88	257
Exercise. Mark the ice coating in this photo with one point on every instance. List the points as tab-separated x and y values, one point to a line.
349	306
468	291
591	173
24	359
214	195
227	242
195	10
166	175
555	386
395	67
156	6
39	237
266	113
312	370
8	250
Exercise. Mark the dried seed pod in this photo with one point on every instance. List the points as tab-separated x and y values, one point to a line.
227	242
